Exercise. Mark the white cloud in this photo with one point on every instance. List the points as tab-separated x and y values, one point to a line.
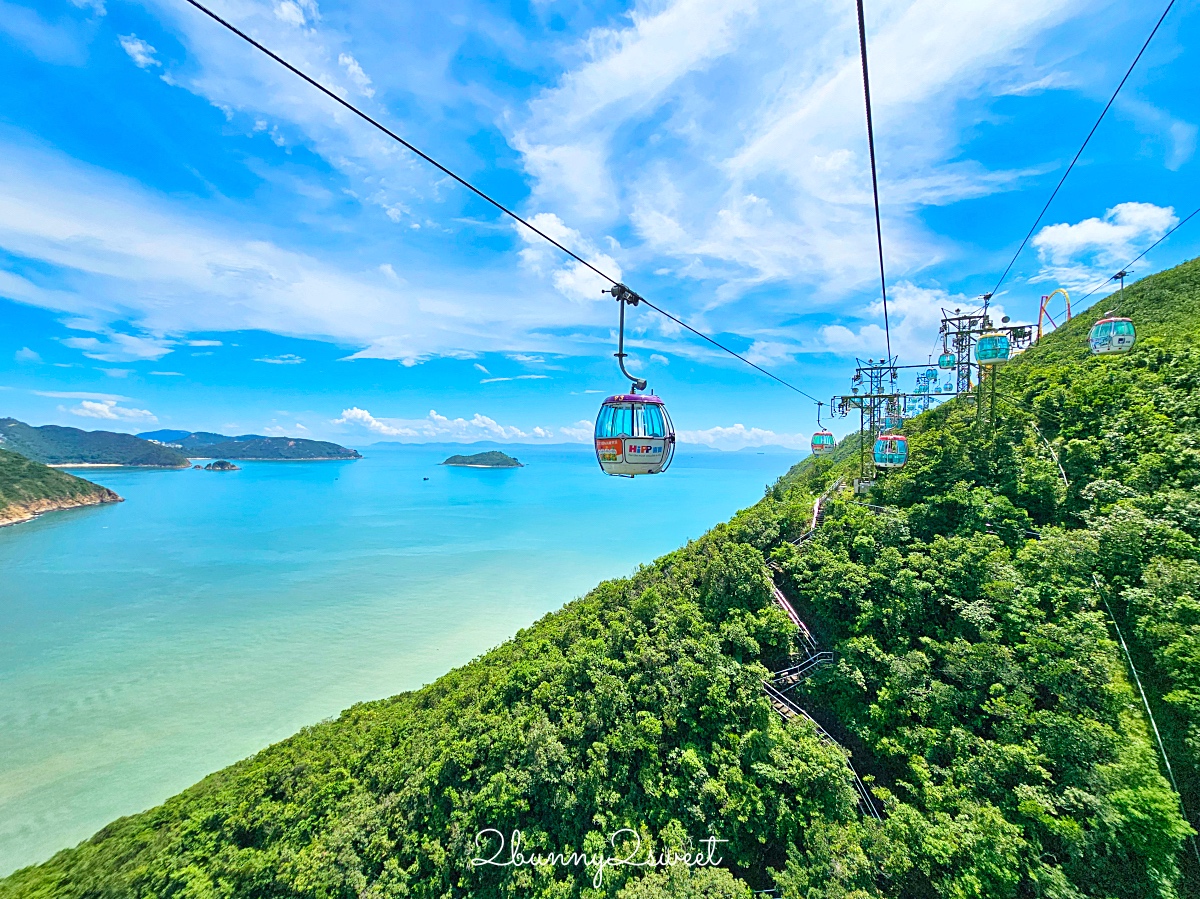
480	368
1082	253
574	280
515	378
356	73
914	315
739	436
139	51
117	372
25	354
624	72
129	257
203	343
97	6
289	12
109	410
284	359
580	432
1176	137
168	374
117	347
730	140
755	166
364	419
1053	81
526	358
660	359
436	427
82	395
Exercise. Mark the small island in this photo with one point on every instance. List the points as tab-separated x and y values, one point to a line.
492	459
220	465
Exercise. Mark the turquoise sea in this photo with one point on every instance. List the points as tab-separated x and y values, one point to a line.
146	644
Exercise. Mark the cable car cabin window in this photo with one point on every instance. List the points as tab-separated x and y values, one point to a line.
648	422
604	422
1123	329
614	421
622	421
1104	330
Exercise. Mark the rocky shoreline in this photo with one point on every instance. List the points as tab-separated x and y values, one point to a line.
19	512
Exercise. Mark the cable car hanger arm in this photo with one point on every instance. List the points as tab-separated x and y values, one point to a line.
624	297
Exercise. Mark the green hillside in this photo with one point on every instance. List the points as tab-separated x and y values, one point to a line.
28	487
54	445
251	446
276	448
975	677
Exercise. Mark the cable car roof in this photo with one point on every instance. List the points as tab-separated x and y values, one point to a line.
635	398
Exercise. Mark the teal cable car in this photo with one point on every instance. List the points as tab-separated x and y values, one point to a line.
891	451
947	361
992	348
1112	335
822	443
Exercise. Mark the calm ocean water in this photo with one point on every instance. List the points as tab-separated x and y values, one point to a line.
146	644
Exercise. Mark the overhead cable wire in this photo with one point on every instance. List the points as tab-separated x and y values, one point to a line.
862	45
473	189
1140	255
1057	187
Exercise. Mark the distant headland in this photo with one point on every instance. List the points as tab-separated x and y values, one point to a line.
72	447
254	447
491	459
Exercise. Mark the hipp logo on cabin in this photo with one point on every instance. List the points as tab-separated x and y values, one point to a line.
642	449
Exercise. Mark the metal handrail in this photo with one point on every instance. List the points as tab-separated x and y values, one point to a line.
815	660
864	796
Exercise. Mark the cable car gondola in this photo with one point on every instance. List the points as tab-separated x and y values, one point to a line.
634	433
947	361
822	439
891	451
1112	334
992	348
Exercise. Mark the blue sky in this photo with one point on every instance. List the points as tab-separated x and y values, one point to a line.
192	238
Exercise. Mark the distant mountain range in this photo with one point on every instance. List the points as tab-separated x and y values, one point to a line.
54	445
247	446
